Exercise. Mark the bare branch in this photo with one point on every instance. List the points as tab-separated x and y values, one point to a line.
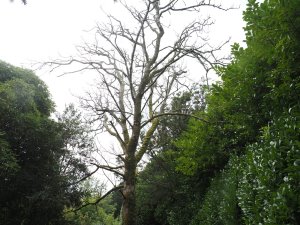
84	178
99	199
171	6
173	114
110	168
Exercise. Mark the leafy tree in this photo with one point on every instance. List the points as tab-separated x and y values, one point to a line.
260	83
33	189
253	113
78	146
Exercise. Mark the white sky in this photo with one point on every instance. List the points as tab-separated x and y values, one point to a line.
45	29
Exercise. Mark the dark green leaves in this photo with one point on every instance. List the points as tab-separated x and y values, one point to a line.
33	187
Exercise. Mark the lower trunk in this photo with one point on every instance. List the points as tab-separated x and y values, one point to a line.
128	209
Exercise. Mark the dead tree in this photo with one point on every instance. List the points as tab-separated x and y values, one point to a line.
139	70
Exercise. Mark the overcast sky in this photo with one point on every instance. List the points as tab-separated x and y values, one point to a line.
46	29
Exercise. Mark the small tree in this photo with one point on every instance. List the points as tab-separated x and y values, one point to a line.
139	71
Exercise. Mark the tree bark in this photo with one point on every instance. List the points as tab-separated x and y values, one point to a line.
129	208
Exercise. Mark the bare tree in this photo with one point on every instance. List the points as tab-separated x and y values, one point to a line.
139	70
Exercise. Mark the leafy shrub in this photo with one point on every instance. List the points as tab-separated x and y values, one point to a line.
220	204
268	191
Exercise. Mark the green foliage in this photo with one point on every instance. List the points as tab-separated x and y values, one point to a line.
259	84
170	127
268	189
197	150
15	79
220	204
260	187
33	187
8	161
77	143
31	138
165	196
102	213
273	36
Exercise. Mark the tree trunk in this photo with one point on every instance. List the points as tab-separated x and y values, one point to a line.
128	209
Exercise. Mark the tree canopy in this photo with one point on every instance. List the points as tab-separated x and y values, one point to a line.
33	189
